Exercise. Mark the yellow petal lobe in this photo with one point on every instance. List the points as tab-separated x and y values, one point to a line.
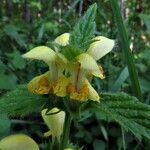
18	142
99	73
60	86
43	53
101	47
63	39
39	84
89	65
55	122
87	62
92	95
80	95
48	133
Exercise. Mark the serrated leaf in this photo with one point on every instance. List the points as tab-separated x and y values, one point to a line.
70	52
20	102
126	110
84	30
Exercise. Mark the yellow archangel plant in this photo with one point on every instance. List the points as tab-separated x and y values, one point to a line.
81	69
56	81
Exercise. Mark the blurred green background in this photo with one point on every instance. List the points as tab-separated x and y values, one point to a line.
25	24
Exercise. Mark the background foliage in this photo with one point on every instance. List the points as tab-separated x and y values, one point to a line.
26	24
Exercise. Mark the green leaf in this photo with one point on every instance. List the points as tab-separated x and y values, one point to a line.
145	84
17	60
2	67
36	5
145	54
70	52
84	30
4	125
126	110
12	32
120	80
146	19
41	32
20	102
7	81
71	8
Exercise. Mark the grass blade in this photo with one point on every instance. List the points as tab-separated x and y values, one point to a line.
126	49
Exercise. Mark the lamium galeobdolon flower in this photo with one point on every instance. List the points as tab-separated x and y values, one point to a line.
54	119
81	69
84	66
67	77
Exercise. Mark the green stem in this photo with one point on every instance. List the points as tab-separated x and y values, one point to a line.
126	49
66	131
123	139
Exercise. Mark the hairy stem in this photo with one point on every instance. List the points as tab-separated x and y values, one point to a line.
66	131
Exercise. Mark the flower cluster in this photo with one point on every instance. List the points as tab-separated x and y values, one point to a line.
65	77
69	77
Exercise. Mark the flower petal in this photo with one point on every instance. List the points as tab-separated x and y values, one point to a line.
63	39
88	64
99	73
40	84
60	87
93	95
101	47
55	122
78	94
18	142
41	53
48	133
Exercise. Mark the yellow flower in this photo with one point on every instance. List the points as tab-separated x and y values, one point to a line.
50	57
54	121
84	66
40	84
81	69
18	142
63	39
46	83
59	88
100	47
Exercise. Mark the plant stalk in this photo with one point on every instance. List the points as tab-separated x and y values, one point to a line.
126	49
66	131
